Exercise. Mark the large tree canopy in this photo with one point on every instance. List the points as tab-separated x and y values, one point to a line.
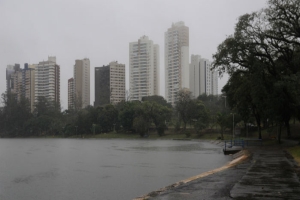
262	58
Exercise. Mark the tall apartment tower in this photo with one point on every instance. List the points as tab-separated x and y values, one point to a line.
214	82
21	82
10	70
202	79
143	68
176	60
71	94
47	80
109	84
82	82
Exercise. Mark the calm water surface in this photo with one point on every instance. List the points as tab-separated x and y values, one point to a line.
98	169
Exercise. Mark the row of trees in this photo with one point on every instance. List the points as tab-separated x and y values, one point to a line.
152	113
262	58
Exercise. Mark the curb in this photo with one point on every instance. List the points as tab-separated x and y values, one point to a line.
237	159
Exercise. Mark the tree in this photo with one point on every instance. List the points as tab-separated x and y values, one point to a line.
213	105
184	106
127	114
199	115
158	114
266	44
108	118
158	99
14	113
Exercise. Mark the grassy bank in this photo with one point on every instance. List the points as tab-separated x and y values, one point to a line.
295	152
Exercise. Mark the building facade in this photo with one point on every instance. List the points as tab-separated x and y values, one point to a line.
176	60
10	70
117	82
109	84
203	80
21	82
82	82
143	68
47	80
71	94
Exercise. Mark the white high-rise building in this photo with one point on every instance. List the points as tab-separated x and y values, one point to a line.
202	79
47	80
143	68
82	82
176	60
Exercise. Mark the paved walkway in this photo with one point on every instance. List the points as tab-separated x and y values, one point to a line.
269	174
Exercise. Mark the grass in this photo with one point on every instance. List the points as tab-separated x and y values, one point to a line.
295	152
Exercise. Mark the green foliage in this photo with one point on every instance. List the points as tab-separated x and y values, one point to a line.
177	125
14	115
127	114
184	106
141	125
192	110
158	99
262	59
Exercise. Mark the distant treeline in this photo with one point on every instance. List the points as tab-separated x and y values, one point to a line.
133	117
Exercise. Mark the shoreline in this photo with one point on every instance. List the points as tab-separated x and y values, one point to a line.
237	159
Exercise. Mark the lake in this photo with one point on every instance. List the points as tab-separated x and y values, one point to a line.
109	169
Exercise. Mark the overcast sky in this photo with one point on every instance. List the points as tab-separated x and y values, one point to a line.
32	30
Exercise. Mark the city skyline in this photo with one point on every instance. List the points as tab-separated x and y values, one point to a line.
56	33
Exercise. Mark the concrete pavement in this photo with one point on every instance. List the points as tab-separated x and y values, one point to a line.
271	176
270	173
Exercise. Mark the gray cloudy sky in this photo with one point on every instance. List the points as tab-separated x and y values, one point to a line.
102	29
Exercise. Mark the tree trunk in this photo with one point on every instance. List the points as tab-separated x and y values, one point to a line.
259	131
257	117
288	128
279	134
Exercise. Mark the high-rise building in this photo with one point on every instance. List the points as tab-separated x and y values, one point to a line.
117	82
143	68
71	94
109	84
82	82
28	79
21	82
203	80
47	80
176	60
214	84
11	69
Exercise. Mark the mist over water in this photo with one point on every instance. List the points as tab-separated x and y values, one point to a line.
99	169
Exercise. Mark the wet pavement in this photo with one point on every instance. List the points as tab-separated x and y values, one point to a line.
272	175
269	173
